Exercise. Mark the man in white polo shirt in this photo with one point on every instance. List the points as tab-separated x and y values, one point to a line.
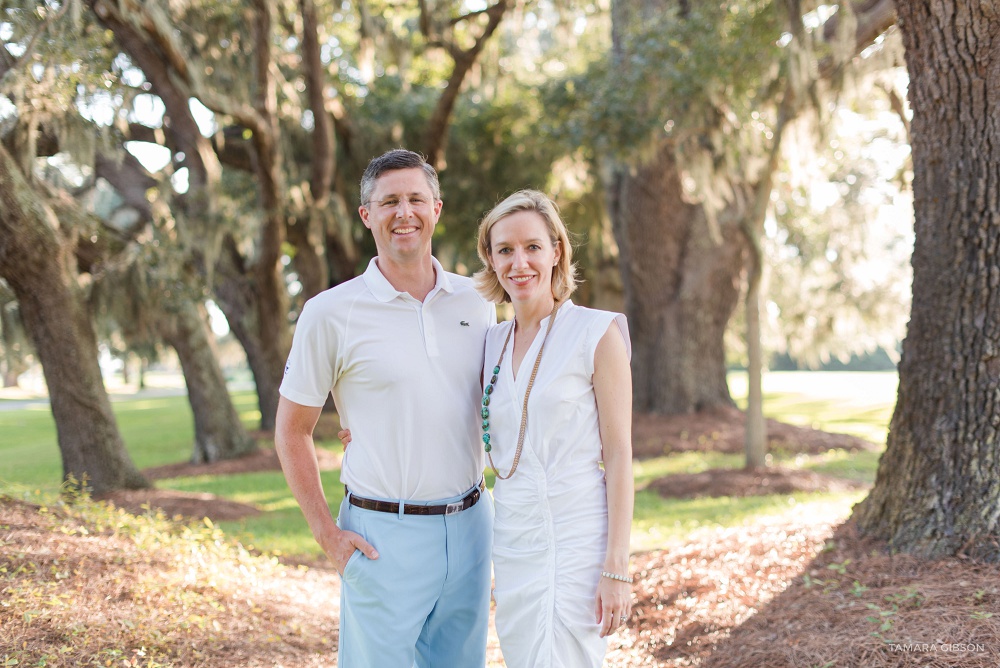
401	349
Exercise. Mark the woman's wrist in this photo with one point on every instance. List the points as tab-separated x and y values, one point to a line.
616	567
617	563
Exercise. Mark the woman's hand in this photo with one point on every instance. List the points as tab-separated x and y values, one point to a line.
345	437
614	604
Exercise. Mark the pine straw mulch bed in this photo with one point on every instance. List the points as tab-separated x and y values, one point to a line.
88	585
749	482
802	592
722	430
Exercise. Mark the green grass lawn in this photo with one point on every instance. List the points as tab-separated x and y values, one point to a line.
859	403
159	431
156	431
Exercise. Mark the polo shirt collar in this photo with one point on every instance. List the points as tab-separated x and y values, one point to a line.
383	290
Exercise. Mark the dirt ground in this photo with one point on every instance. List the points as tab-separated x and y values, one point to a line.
802	590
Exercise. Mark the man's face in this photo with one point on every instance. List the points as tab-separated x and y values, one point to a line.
401	214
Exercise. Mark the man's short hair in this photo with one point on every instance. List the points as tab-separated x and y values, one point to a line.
397	158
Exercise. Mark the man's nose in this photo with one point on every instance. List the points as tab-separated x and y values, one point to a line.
404	209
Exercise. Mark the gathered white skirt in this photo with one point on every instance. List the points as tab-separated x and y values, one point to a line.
549	543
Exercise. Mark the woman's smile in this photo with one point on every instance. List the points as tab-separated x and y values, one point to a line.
523	254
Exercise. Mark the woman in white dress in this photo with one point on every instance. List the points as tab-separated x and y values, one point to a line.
557	403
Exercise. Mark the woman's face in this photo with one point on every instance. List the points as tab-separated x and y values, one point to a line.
523	255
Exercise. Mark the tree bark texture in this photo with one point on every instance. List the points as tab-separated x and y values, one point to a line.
266	275
219	434
681	286
937	491
755	437
681	281
237	297
308	231
251	294
39	265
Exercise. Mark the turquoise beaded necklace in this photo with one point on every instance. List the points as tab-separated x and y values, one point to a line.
488	390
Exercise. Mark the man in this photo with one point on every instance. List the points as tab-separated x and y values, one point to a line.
401	349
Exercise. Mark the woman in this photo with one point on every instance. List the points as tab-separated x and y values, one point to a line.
557	401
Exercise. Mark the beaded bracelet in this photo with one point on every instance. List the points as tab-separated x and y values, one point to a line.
614	576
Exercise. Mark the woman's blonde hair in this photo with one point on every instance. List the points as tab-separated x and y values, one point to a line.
563	274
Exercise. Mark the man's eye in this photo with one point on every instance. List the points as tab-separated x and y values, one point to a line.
390	202
417	200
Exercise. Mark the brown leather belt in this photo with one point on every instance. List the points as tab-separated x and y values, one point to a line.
464	503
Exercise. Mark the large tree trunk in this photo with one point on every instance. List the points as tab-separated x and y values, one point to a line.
681	287
237	297
39	266
219	434
681	272
938	486
265	277
308	234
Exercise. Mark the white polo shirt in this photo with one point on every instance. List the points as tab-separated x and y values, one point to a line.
405	378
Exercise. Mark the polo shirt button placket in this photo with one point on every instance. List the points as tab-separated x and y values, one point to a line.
430	333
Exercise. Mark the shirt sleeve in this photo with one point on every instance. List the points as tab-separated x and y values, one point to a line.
313	363
491	313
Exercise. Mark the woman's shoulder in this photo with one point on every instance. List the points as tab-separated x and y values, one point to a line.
593	324
592	315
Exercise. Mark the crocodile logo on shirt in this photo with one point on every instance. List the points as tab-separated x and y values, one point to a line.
463	323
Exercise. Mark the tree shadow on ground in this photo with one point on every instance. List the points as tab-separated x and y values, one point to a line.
805	591
858	604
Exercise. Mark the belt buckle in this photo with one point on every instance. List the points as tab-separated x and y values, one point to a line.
453	508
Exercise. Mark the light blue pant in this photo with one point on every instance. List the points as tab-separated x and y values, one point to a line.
425	601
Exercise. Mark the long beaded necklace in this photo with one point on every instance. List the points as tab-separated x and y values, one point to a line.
488	390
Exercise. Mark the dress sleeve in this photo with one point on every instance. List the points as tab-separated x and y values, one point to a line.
600	322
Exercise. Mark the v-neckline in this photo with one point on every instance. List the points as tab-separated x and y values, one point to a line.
513	341
532	347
